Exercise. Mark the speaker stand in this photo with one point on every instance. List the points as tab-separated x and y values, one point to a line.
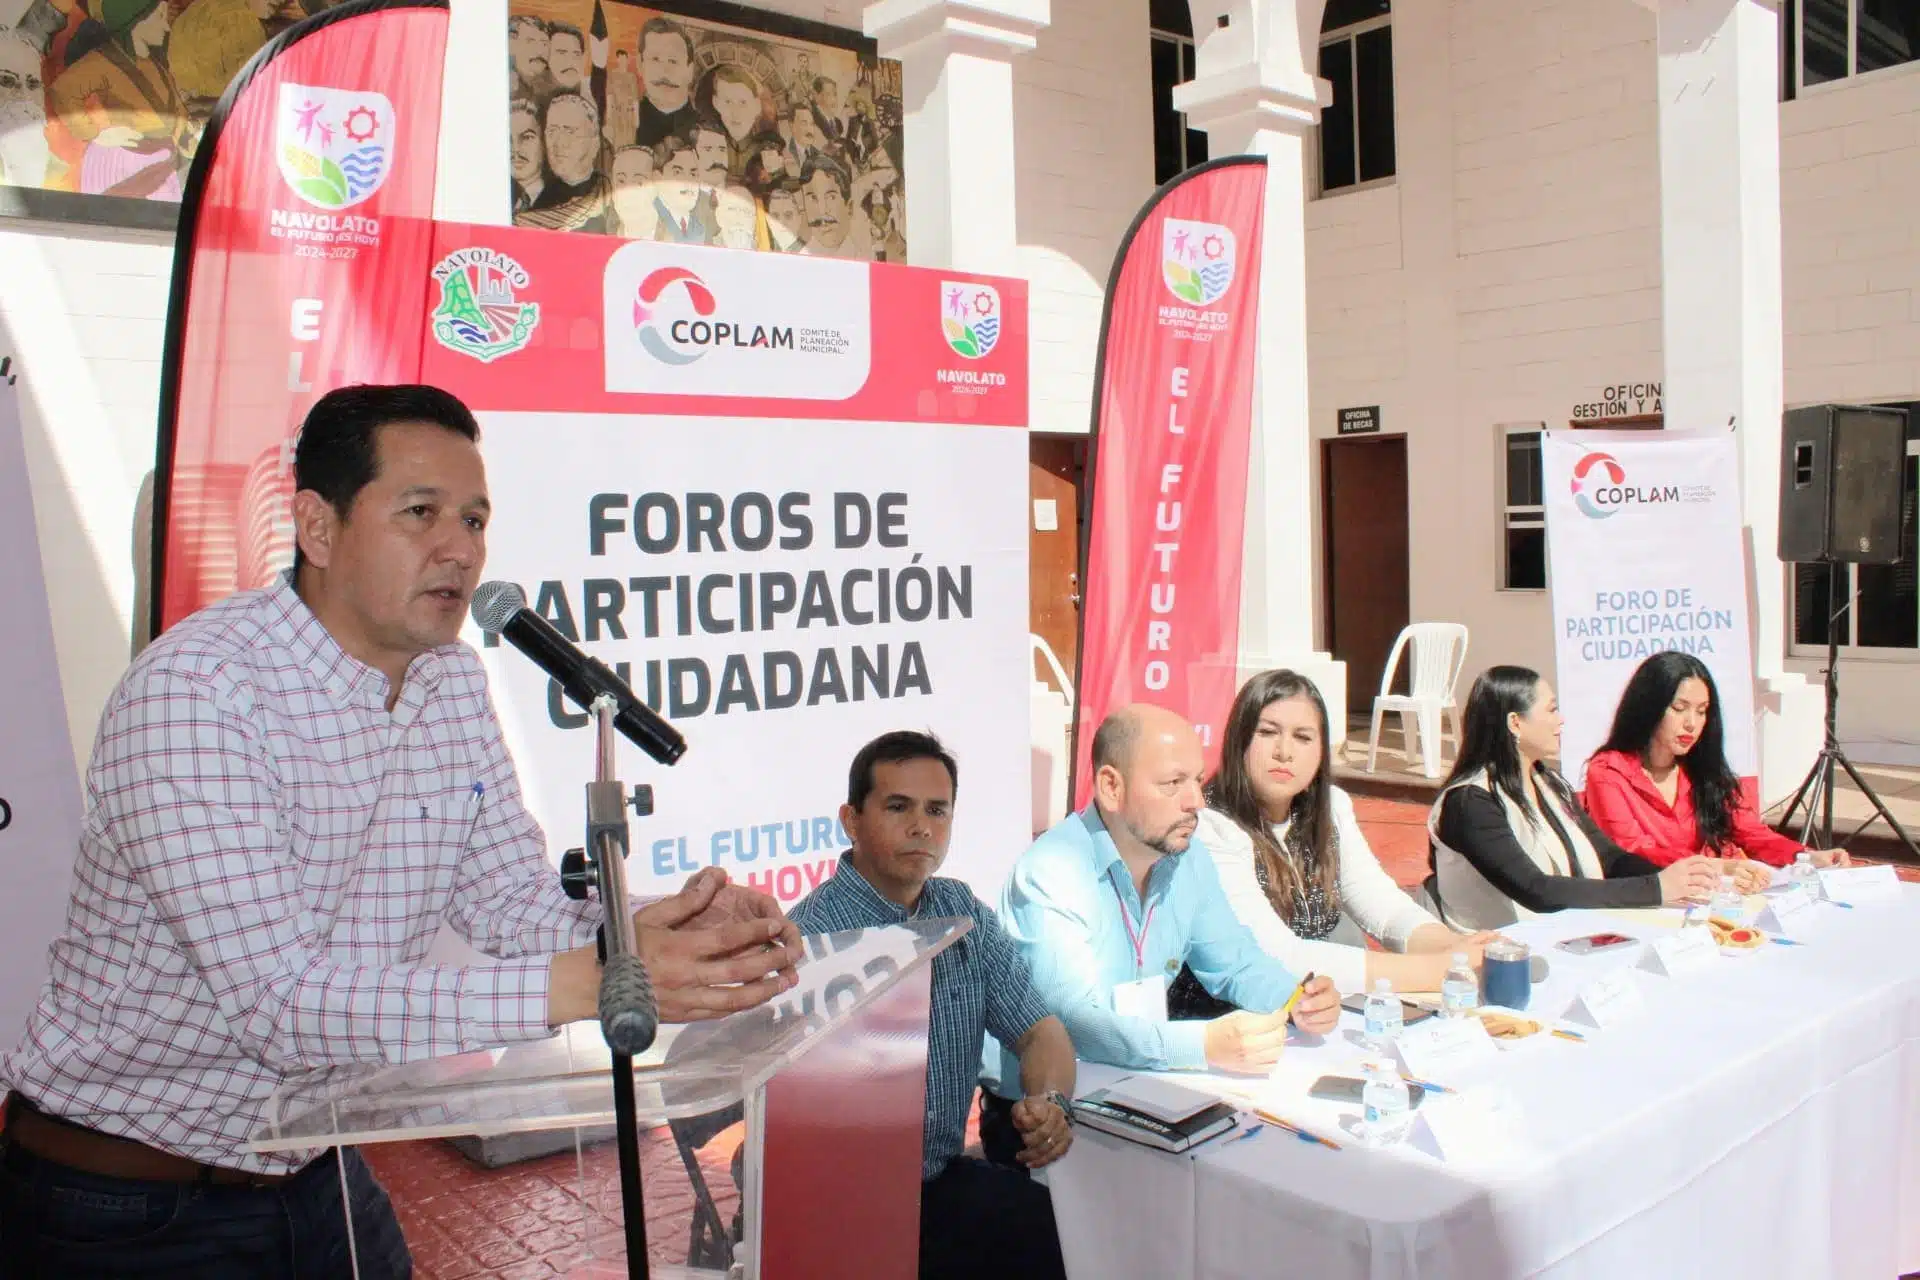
1816	789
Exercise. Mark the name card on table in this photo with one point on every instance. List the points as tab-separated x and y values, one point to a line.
1441	1047
1682	952
1858	886
1606	1002
1786	912
1466	1128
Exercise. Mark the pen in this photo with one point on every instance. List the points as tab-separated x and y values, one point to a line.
1569	1035
1428	1085
1298	1132
1249	1132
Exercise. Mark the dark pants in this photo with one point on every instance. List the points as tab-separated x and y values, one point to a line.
57	1223
979	1221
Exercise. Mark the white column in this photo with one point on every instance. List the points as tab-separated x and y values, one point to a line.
957	65
474	179
1719	84
1253	95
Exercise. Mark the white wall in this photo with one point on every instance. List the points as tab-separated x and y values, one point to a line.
1850	183
83	311
1513	269
1083	110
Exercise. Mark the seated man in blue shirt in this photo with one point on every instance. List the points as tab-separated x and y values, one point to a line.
976	1219
1109	903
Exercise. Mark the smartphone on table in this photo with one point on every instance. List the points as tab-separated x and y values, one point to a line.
1595	942
1409	1013
1352	1088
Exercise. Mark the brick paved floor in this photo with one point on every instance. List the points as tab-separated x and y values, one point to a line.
538	1220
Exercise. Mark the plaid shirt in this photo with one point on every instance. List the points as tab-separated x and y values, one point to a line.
266	857
980	984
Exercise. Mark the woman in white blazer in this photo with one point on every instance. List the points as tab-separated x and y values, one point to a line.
1293	861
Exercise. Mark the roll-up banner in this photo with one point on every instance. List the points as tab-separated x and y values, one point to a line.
1172	426
1644	541
304	219
39	792
784	496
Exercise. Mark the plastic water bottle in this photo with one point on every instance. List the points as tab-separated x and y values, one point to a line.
1803	872
1728	904
1459	990
1384	1019
1384	1105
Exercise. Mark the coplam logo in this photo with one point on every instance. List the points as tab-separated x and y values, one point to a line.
970	318
695	321
1600	488
334	146
682	339
1196	260
479	314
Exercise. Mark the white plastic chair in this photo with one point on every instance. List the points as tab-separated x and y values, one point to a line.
1051	730
1439	654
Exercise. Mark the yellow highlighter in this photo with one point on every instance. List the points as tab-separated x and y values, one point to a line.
1286	1010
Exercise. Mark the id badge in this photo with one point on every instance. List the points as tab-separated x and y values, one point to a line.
1143	998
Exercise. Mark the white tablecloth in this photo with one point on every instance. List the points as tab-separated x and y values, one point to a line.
1759	1118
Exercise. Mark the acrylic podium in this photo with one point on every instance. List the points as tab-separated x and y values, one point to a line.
827	1085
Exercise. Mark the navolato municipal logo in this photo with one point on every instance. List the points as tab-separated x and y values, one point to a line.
1196	260
970	317
334	146
646	301
1595	477
479	313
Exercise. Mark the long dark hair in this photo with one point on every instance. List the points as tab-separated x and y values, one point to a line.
1486	742
1644	704
1310	829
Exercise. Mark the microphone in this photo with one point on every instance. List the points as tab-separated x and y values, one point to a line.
500	608
629	1015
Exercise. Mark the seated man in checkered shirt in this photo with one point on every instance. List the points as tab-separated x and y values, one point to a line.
976	1219
289	793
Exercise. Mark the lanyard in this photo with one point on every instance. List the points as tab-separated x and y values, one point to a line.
1138	941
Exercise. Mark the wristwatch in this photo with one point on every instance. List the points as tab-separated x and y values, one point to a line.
1061	1101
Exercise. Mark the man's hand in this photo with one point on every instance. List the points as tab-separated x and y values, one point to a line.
1317	1011
1831	858
710	899
1045	1129
1245	1042
715	948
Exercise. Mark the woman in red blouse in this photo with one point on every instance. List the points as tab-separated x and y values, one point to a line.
1661	787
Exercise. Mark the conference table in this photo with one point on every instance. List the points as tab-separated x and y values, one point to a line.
1758	1116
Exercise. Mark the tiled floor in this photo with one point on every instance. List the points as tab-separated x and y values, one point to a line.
540	1219
532	1220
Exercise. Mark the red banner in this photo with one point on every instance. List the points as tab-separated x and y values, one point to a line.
1160	574
304	235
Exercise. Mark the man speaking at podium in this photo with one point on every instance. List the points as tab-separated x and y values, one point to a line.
289	792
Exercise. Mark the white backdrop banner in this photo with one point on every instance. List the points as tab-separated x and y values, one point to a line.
786	498
39	794
1644	544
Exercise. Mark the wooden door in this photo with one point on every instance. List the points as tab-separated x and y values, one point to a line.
1364	507
1056	470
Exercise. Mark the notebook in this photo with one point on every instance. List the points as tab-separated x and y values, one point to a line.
1155	1113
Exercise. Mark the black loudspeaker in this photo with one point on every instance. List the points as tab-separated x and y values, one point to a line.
1840	473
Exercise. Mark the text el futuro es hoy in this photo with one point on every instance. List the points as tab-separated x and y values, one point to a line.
1168	517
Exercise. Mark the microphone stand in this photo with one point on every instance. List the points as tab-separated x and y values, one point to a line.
606	852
